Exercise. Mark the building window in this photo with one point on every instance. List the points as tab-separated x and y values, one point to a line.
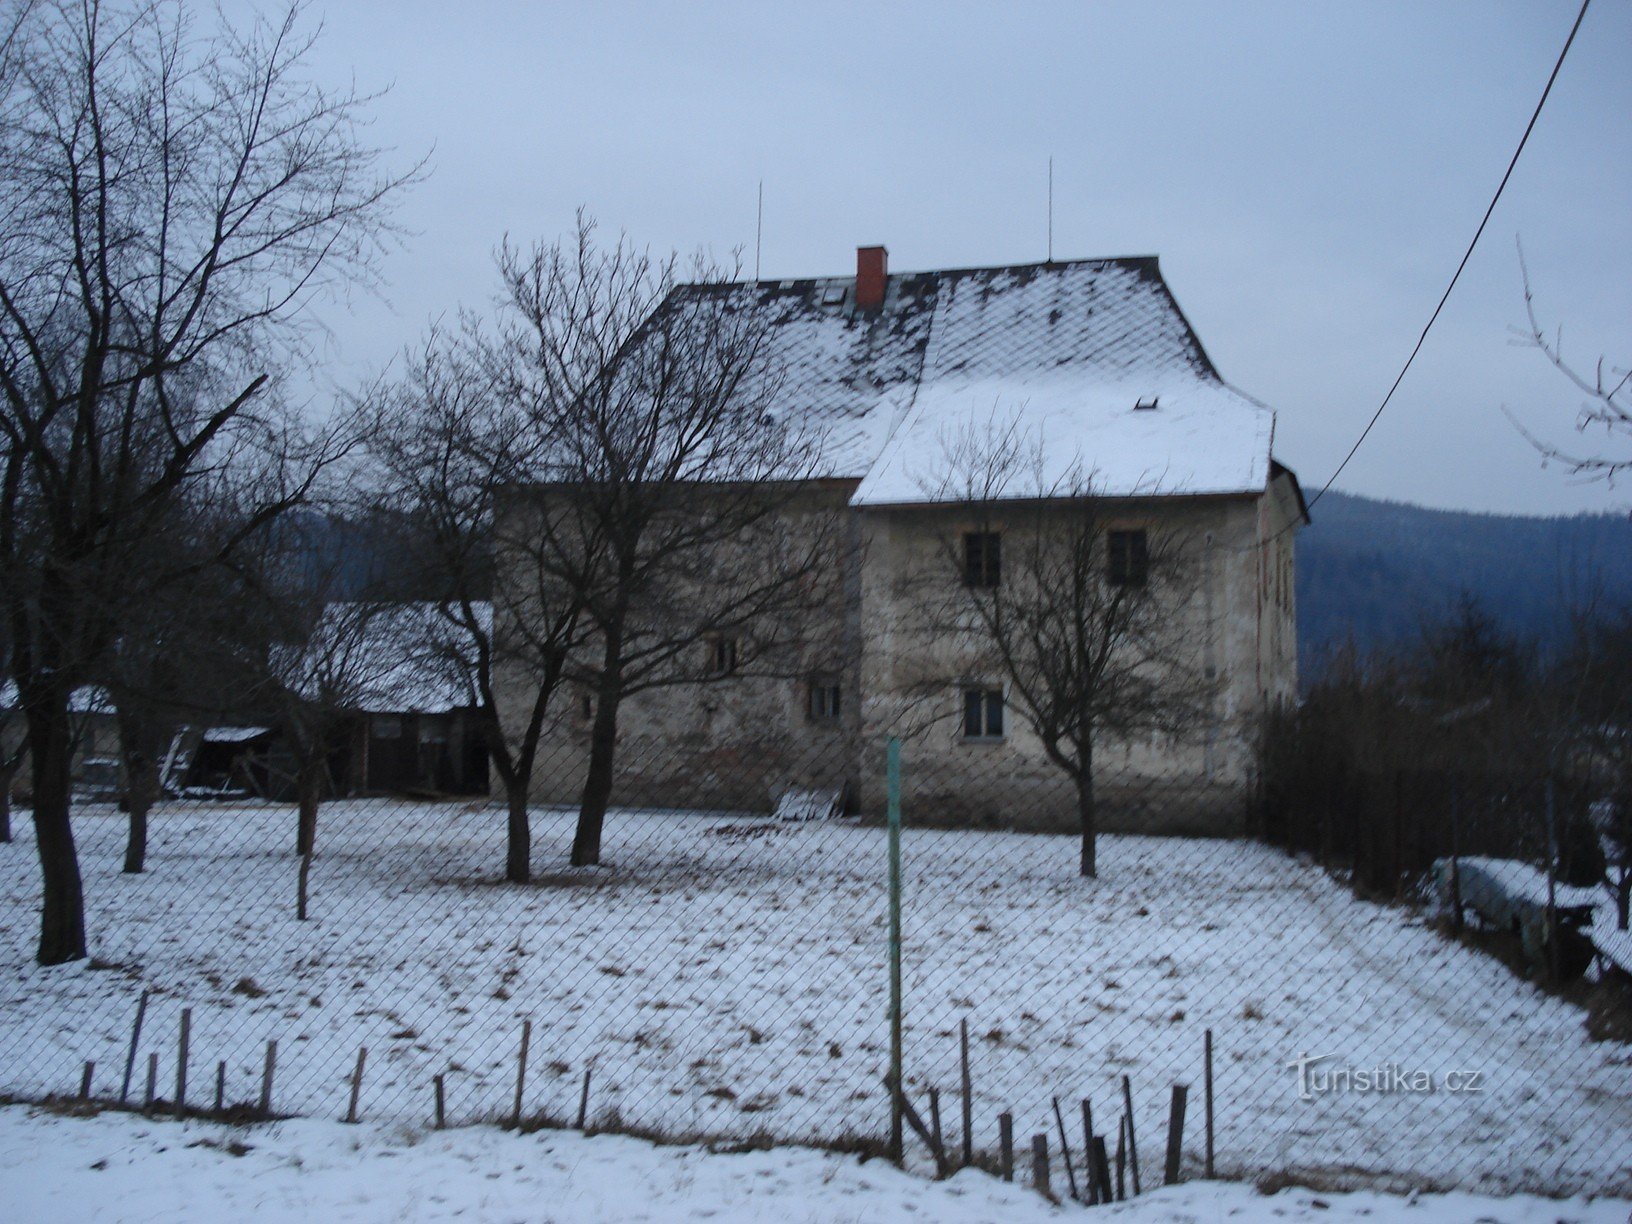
1128	554
982	558
982	714
385	727
824	701
722	656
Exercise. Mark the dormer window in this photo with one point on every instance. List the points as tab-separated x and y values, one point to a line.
1145	405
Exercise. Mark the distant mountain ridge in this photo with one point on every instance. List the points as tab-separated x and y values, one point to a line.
1377	570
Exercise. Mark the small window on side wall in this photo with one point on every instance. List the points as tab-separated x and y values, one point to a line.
825	701
982	713
1128	558
722	656
982	558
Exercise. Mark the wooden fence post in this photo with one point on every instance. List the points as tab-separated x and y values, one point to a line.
267	1068
1207	1103
85	1080
1065	1150
1133	1144
1039	1165
356	1083
521	1071
1175	1135
968	1095
441	1113
130	1058
181	1065
1005	1133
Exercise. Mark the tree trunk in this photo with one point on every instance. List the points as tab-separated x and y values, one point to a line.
51	749
137	743
603	743
7	773
308	794
1088	813
518	854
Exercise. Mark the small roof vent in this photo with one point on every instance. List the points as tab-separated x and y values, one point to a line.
1145	405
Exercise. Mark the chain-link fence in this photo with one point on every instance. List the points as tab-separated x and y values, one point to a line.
725	973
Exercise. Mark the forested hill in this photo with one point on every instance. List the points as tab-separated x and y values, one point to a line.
1376	569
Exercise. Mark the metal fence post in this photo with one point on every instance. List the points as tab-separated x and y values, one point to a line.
893	776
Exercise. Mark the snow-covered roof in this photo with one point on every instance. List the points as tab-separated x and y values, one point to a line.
233	735
1061	354
87	699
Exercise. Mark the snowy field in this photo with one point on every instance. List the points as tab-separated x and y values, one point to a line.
121	1168
726	977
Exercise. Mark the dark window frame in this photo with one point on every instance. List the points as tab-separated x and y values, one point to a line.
723	656
1127	557
982	559
824	700
984	714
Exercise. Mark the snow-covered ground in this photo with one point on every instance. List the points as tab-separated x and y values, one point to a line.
726	977
119	1167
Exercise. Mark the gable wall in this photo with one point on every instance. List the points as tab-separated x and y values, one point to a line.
914	680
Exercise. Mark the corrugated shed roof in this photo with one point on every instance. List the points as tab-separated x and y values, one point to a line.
1062	351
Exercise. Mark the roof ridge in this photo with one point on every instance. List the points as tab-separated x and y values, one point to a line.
1135	261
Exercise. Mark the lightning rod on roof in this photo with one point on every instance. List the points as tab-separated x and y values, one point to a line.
1051	208
759	227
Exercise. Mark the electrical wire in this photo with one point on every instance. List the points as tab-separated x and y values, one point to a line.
1468	254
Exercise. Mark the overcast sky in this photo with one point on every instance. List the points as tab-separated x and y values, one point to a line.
1309	175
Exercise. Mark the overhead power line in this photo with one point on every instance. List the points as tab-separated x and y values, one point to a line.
1485	220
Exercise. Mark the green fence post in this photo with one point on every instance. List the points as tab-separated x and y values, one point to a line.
897	1087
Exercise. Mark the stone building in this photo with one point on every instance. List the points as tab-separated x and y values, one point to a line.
1091	367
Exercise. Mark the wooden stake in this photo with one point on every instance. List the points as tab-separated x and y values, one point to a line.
220	1086
935	1119
356	1083
85	1080
300	887
583	1101
968	1096
1207	1100
1103	1192
910	1115
1090	1172
181	1065
267	1069
521	1071
1065	1150
441	1112
1005	1133
1039	1165
1121	1159
1133	1144
152	1081
130	1058
1175	1135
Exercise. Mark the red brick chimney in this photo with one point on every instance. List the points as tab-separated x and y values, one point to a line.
872	267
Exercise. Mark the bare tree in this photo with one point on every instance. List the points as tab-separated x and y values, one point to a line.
318	662
1606	411
173	197
445	440
668	495
1083	618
